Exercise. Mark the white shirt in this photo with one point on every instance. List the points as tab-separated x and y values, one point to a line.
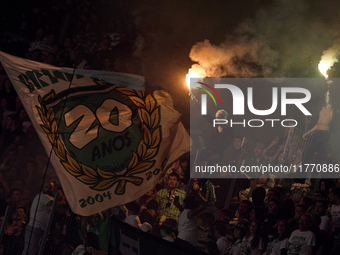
335	211
326	225
187	228
299	242
133	220
246	246
222	244
235	249
275	247
168	238
43	211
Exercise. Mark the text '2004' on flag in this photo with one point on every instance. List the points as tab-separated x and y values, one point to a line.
110	140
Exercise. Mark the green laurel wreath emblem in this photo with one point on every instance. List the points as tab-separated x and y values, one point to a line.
141	161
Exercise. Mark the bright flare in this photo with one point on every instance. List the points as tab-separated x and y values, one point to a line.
192	74
323	67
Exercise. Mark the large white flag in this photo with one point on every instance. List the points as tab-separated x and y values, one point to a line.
110	140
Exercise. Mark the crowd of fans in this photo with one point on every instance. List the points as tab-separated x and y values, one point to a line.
55	35
272	215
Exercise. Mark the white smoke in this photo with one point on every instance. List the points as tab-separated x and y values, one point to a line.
285	39
331	55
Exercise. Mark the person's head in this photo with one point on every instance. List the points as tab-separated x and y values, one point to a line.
258	150
182	186
273	193
48	188
133	207
4	103
14	173
21	212
68	43
221	114
273	206
321	207
23	115
298	154
238	142
307	202
11	120
319	195
254	228
18	104
322	185
96	219
173	180
11	155
263	180
61	194
15	195
299	210
8	84
152	207
220	229
19	184
258	196
240	231
282	228
151	193
305	222
334	195
325	184
31	166
245	208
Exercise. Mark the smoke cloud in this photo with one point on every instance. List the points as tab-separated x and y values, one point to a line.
284	39
331	55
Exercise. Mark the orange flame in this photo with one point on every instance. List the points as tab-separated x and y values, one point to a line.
193	73
323	68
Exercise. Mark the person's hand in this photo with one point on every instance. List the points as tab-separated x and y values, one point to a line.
305	136
275	141
142	208
176	203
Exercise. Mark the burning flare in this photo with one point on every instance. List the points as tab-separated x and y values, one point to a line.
194	73
323	68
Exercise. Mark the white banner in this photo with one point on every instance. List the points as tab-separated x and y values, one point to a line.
110	140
